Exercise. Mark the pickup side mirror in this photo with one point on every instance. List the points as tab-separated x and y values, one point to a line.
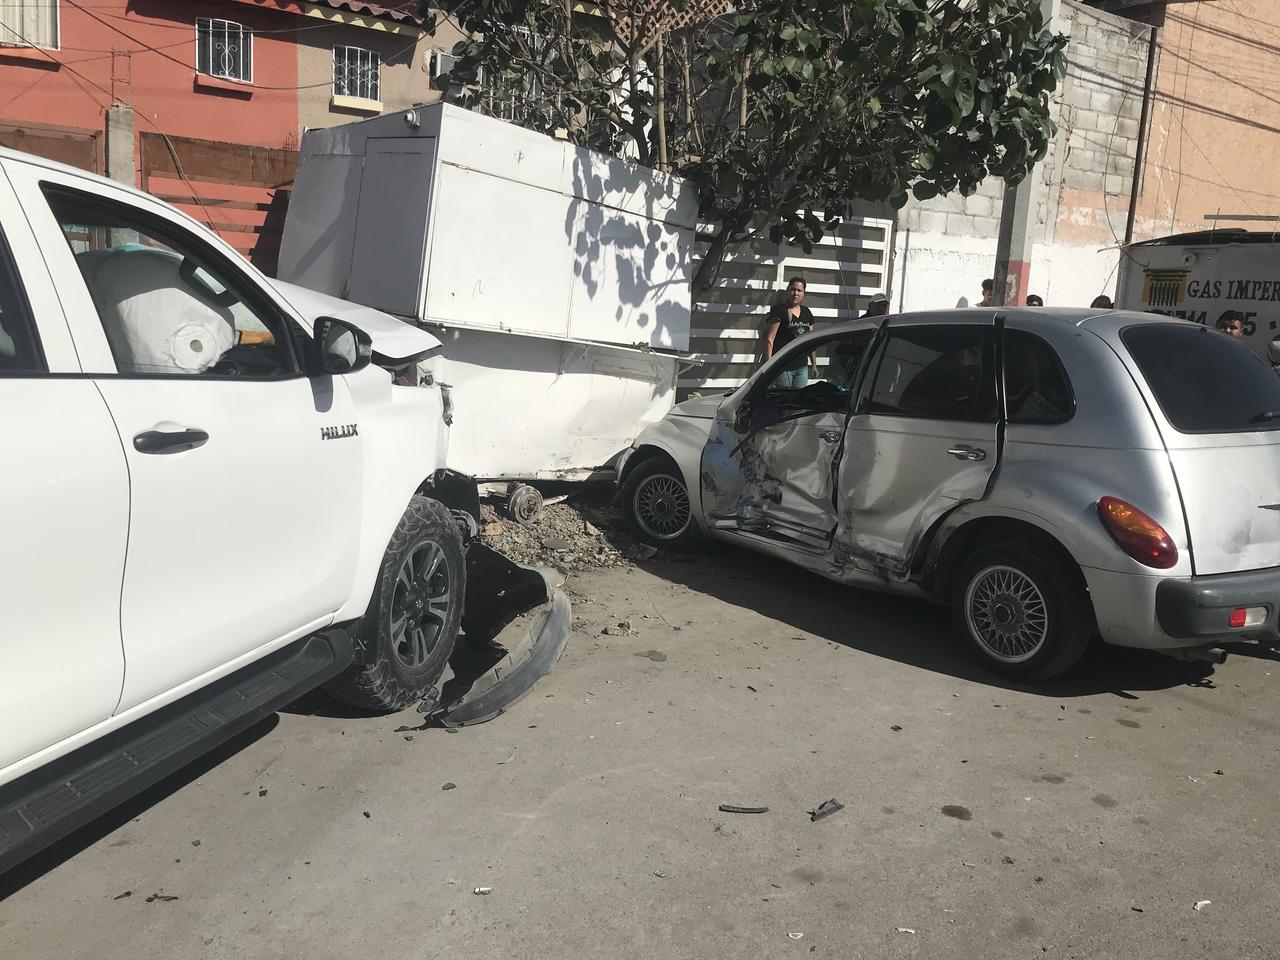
341	347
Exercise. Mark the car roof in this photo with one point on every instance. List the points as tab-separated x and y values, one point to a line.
20	156
1045	319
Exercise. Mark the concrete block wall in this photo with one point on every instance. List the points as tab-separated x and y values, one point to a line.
1101	98
947	245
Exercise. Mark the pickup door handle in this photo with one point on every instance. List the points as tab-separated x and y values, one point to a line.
962	451
169	441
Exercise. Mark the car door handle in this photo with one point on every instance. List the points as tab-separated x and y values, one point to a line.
830	436
169	441
962	451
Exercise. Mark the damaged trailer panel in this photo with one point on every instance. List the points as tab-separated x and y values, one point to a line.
557	278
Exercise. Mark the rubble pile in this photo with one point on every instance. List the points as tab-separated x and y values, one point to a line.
569	535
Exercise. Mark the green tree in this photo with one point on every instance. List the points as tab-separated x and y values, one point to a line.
780	111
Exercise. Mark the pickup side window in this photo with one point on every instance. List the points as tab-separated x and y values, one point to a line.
20	351
169	304
936	373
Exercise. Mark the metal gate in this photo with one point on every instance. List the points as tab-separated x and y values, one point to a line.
842	271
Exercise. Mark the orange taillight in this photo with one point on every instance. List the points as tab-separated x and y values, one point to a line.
1137	534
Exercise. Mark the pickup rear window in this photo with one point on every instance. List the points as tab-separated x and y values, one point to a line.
1205	381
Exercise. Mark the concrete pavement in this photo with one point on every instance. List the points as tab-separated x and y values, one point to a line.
1081	820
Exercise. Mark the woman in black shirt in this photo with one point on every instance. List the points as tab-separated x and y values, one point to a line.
786	321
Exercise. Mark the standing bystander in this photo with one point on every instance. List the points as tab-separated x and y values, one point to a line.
786	321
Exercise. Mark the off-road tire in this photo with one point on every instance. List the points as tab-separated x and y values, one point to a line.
644	475
1068	611
379	680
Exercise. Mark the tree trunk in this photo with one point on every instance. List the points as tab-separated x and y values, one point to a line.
708	272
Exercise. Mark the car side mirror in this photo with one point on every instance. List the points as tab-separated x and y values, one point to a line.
341	347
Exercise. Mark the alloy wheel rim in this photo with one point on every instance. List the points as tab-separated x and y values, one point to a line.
1006	614
421	604
662	507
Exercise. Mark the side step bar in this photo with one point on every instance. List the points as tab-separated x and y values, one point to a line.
49	803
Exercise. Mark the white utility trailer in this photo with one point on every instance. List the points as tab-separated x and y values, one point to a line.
556	277
1202	276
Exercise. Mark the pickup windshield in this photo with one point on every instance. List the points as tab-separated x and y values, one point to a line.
1205	381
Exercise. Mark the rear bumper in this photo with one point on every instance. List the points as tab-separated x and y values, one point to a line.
1197	608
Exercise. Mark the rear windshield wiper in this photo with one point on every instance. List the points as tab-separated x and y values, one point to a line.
1265	416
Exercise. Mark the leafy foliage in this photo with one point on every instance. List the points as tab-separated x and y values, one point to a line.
780	111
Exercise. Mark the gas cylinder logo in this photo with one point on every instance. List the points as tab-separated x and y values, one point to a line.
1164	288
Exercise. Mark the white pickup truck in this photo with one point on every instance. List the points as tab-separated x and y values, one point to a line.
213	502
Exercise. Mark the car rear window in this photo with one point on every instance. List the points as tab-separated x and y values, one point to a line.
1205	381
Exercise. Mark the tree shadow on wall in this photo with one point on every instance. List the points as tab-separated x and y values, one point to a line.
631	255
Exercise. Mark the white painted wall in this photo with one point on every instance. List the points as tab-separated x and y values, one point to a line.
935	271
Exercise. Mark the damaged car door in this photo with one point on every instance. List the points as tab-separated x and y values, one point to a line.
770	464
922	441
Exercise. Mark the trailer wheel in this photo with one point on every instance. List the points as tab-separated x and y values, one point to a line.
408	633
524	504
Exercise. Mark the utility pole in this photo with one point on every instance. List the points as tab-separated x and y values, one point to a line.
1013	248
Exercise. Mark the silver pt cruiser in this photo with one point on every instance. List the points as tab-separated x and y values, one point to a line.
1053	475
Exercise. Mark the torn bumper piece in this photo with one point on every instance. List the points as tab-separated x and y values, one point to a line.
515	625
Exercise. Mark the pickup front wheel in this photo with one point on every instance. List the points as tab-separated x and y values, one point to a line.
408	633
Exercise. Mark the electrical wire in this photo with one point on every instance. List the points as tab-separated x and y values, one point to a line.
187	27
258	86
111	98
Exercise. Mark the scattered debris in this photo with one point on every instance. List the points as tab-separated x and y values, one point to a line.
825	809
659	874
749	686
736	808
482	891
1038	880
367	815
1136	909
169	898
1218	773
1007	861
510	757
562	536
905	930
1201	904
409	737
195	843
657	656
123	896
896	728
449	786
262	792
796	936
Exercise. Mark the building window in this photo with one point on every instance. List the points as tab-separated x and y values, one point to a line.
356	73
224	49
29	23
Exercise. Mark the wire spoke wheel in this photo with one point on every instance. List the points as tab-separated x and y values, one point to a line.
661	506
1006	614
421	604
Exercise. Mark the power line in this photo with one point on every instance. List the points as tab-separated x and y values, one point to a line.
260	86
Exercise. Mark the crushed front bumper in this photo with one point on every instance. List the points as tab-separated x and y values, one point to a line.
515	626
